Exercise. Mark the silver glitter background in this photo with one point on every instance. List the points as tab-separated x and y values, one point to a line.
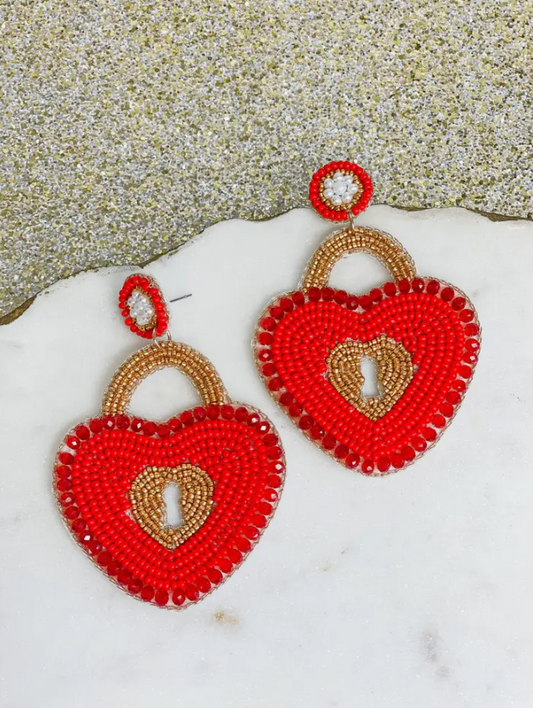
128	126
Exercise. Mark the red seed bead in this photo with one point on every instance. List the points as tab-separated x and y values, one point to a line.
286	304
149	428
82	431
439	421
365	302
295	410
203	585
270	440
419	444
178	598
466	315
472	345
274	453
241	414
458	303
104	558
367	467
471	329
352	461
286	399
341	451
108	422
265	338
404	286
135	587
254	420
175	425
137	425
341	296
147	593
306	422
79	526
123	422
243	544
192	594
453	397
95	425
352	303
275	384
215	576
187	418
161	597
430	434
213	411
383	464
316	432
298	298
328	442
268	323
397	460
251	533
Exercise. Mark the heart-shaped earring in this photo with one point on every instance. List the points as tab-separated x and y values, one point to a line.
111	474
421	334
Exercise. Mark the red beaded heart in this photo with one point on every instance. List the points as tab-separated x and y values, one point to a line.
235	448
435	323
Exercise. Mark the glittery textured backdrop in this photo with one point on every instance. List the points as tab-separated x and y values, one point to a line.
128	126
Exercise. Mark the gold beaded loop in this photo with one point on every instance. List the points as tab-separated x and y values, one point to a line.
158	356
359	238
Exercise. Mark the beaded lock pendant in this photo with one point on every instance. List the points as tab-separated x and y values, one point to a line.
421	334
111	473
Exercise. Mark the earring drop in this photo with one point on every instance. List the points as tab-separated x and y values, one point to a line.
112	472
421	334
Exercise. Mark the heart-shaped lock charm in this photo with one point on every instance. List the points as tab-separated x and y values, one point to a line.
224	458
422	336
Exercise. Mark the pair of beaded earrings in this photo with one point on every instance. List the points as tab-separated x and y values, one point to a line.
111	471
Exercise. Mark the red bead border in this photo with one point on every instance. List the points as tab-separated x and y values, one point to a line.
151	289
339	214
64	494
285	303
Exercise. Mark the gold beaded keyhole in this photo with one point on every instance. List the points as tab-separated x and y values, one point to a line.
394	373
148	505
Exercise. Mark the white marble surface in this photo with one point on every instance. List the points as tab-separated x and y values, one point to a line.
404	592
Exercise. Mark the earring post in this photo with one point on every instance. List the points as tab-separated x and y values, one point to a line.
181	298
